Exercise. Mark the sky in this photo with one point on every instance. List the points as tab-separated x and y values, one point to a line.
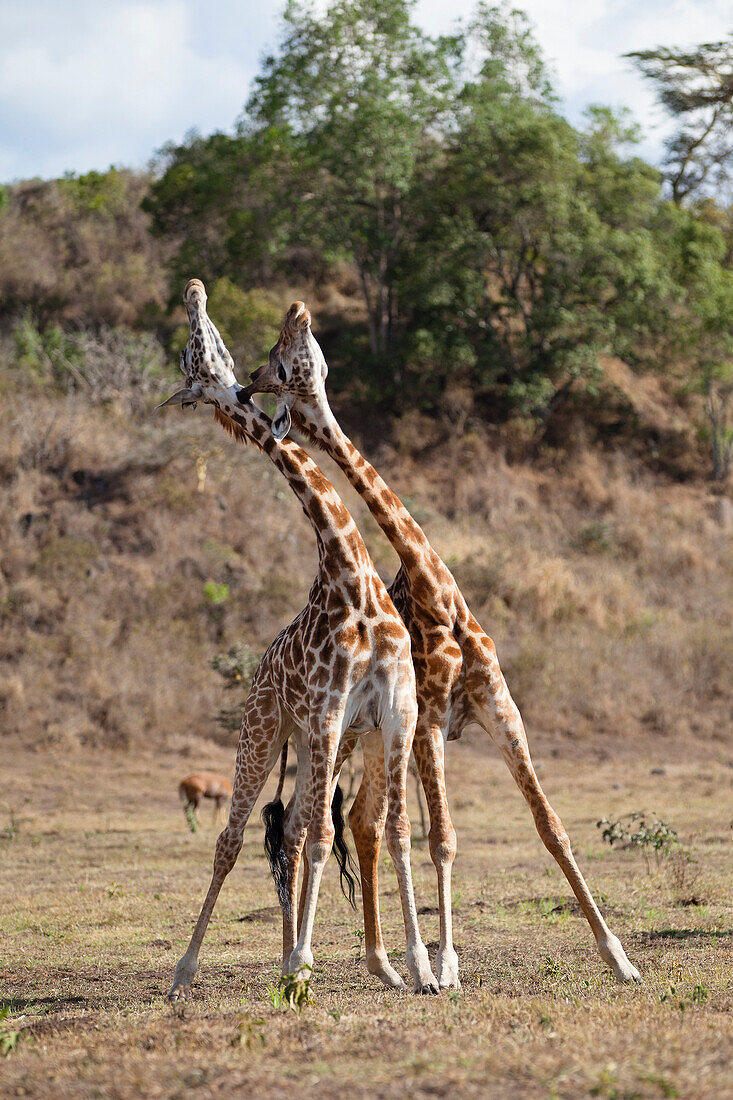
89	83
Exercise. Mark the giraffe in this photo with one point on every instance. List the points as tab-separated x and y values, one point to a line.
458	676
340	669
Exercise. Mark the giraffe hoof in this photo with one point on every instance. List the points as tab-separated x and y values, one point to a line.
379	966
430	989
613	953
446	969
183	977
629	976
453	984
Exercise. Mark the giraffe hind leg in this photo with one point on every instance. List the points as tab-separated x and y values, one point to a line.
429	755
500	717
397	733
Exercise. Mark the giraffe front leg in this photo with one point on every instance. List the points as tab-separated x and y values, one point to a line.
322	744
397	743
252	769
429	754
366	820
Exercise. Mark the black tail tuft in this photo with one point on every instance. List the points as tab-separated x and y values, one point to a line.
273	816
343	856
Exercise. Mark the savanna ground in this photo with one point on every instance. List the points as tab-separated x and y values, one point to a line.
136	548
101	884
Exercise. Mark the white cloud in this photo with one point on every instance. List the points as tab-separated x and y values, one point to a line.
86	83
107	83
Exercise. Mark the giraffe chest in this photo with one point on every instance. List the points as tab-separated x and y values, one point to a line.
341	666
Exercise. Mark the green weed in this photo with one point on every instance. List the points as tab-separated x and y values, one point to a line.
291	992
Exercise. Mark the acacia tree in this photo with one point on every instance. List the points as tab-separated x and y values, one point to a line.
697	87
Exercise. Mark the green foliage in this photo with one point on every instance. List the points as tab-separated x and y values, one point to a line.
216	593
102	193
9	1037
696	86
110	364
641	830
250	1034
496	248
78	251
10	831
291	992
495	245
237	666
46	356
675	999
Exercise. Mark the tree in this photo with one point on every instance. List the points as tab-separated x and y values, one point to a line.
543	254
696	86
363	96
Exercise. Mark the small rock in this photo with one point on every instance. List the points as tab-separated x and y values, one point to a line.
659	771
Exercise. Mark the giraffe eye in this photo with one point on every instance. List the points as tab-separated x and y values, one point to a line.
281	373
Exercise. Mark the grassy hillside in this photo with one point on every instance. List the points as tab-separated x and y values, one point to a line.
137	546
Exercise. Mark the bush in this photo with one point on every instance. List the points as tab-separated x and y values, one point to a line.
110	364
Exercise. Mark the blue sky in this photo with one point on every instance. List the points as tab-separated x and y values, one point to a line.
89	83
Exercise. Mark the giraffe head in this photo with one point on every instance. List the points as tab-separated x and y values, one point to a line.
205	361
295	371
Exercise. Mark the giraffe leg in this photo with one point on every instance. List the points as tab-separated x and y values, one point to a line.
319	841
297	815
429	755
367	818
259	747
500	717
398	733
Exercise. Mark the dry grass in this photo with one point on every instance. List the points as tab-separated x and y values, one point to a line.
585	572
101	882
609	596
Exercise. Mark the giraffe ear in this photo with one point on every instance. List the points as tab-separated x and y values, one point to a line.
184	397
281	421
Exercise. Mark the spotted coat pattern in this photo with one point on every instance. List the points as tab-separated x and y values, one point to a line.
458	676
342	667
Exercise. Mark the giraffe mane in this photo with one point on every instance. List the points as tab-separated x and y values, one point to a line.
305	430
233	428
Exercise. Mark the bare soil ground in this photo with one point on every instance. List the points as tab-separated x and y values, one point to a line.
100	882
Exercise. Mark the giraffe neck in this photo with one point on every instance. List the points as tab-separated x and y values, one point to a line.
337	535
405	534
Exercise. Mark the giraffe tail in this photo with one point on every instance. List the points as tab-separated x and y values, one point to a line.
341	851
273	816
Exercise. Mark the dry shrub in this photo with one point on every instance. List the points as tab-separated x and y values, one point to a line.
12	691
108	541
543	588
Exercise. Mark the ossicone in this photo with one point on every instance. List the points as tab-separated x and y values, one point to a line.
194	290
297	318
